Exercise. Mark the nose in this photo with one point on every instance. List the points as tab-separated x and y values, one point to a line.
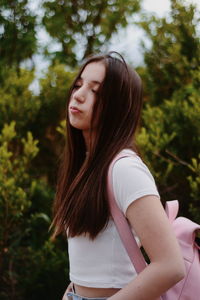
79	95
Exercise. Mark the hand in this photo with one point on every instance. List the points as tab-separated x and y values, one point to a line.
68	290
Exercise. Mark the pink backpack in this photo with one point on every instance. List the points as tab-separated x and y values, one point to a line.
185	230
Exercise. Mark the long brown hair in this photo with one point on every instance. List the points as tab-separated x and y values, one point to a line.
81	201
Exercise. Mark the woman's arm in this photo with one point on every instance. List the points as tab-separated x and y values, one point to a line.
148	218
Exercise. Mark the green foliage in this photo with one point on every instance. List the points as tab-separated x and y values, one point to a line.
174	52
16	100
62	128
52	98
25	217
86	23
54	87
194	181
14	176
18	34
25	192
39	114
170	136
14	197
49	272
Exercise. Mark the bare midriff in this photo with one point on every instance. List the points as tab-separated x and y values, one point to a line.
85	291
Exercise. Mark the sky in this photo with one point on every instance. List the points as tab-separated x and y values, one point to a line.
127	41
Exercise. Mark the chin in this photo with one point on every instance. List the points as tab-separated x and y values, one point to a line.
77	126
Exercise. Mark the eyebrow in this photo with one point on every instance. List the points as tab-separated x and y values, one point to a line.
92	81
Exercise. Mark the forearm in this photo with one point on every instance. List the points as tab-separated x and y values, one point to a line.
150	284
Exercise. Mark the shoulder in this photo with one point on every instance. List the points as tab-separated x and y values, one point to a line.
132	179
130	164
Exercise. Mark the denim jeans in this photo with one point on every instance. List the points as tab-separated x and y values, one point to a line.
73	296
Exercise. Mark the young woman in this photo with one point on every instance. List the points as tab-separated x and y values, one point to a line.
103	111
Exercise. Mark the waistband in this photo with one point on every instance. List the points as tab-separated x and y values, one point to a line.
73	296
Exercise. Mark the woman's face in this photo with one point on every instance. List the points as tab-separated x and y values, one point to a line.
84	96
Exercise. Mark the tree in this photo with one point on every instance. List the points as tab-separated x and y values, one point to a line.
86	25
170	135
18	34
16	100
52	98
29	262
27	184
174	52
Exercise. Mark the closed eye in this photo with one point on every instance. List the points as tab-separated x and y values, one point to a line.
76	86
94	91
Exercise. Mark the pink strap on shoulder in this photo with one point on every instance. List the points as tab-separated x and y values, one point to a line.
171	208
121	223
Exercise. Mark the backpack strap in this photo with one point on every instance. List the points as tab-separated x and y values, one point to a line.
171	208
121	223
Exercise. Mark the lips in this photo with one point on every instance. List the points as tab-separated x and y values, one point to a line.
74	109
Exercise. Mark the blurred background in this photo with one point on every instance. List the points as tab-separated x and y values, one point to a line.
42	43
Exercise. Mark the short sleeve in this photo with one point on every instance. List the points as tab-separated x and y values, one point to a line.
132	180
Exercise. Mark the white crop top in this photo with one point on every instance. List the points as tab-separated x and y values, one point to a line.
104	263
